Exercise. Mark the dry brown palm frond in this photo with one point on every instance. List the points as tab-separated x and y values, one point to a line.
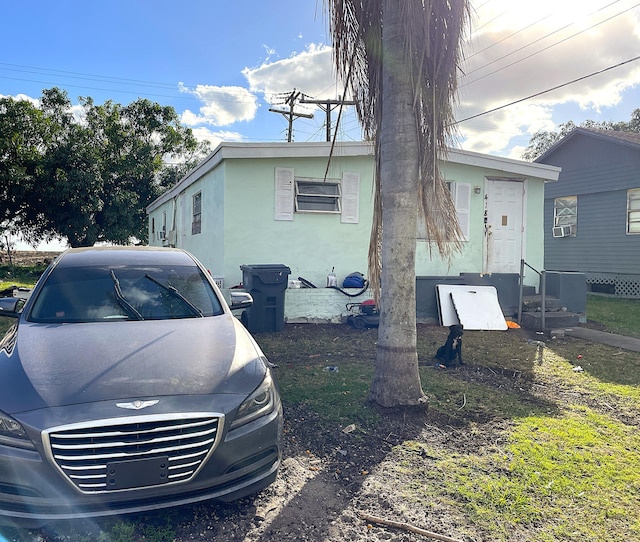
431	54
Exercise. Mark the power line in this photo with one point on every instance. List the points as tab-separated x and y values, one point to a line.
174	97
508	37
549	46
526	28
549	90
81	75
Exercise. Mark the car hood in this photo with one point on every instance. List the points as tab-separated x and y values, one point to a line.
64	364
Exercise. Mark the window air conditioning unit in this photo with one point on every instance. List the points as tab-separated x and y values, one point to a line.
161	235
562	231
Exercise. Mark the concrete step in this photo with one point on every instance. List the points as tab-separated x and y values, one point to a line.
533	303
553	320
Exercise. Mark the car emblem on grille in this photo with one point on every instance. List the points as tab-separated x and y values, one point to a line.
138	405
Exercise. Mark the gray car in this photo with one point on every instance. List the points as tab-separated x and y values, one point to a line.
126	384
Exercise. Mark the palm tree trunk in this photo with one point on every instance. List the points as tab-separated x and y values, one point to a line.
396	380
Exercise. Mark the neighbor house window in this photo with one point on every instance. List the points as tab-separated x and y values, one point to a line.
633	210
565	216
196	222
317	196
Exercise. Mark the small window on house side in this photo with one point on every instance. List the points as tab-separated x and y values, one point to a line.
633	211
317	196
196	222
460	193
565	213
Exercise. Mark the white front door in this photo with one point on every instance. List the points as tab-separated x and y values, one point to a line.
504	207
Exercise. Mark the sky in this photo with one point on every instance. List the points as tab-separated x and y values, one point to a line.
225	66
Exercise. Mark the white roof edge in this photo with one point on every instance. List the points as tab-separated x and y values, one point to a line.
500	163
225	151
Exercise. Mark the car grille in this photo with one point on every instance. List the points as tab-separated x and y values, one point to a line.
133	452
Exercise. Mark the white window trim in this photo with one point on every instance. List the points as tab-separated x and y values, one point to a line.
300	182
633	194
285	197
350	198
565	217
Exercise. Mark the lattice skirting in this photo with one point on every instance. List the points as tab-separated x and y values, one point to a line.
623	285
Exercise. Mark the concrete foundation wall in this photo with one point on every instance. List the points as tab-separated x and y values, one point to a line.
328	305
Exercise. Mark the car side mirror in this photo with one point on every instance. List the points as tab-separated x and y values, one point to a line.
11	306
240	300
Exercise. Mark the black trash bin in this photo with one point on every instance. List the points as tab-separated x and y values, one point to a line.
266	283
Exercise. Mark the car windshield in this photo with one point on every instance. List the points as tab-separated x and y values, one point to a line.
97	293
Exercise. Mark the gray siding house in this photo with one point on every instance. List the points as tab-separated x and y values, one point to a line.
592	214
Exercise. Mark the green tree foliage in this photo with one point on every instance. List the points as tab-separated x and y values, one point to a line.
21	153
88	173
542	141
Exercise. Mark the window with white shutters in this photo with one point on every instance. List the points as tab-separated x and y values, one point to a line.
295	195
461	194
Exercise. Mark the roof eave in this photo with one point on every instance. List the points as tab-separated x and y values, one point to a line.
226	151
507	165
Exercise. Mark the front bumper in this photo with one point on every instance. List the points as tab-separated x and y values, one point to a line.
245	461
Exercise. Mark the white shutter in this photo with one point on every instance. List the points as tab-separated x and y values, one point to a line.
350	198
284	194
463	207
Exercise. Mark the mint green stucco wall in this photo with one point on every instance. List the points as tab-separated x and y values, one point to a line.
238	226
207	246
312	243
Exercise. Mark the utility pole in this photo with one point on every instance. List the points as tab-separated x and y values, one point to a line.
291	101
327	106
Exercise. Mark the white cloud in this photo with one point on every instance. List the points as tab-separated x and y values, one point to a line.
311	72
215	138
23	97
222	106
519	49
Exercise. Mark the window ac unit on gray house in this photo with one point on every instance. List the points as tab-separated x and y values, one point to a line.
561	231
161	235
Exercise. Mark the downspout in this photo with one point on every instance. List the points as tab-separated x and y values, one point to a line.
174	228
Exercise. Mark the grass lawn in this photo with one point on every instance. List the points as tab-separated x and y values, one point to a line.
617	315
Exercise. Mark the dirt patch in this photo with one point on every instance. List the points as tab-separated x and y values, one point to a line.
329	477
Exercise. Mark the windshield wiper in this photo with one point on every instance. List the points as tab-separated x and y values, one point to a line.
128	307
172	290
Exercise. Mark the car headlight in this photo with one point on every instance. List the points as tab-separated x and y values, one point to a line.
260	403
11	432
